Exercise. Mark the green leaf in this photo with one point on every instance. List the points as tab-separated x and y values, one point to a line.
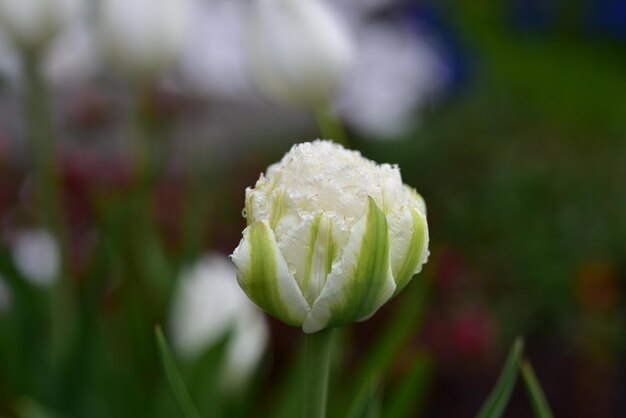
405	322
204	379
29	408
21	325
367	402
288	398
408	397
174	378
538	400
499	397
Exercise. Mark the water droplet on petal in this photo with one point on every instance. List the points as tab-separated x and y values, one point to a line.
291	268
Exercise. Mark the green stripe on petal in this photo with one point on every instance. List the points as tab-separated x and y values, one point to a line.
419	200
320	258
413	258
310	249
278	207
264	276
308	258
360	281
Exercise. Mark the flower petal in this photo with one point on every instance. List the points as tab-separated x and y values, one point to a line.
310	249
264	276
293	246
361	280
320	260
418	199
408	260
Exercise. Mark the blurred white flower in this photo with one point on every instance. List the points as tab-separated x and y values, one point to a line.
300	51
9	66
145	37
206	306
32	23
71	57
359	11
214	61
396	73
74	56
36	255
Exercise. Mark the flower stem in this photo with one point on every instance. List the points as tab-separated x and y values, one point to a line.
317	364
149	135
49	197
46	164
330	127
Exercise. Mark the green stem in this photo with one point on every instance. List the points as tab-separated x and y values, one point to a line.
198	191
148	140
149	136
330	127
46	165
47	180
318	364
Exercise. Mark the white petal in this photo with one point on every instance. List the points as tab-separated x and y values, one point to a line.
408	232
360	281
309	249
264	276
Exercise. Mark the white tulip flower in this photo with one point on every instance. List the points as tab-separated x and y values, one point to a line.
145	37
207	305
398	72
215	62
362	9
32	23
74	56
9	65
300	51
70	57
37	256
331	237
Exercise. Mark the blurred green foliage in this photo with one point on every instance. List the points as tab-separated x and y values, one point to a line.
523	172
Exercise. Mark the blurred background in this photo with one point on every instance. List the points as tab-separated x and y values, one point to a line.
130	129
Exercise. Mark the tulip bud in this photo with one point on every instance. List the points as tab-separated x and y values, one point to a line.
299	51
32	23
206	306
145	37
331	237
